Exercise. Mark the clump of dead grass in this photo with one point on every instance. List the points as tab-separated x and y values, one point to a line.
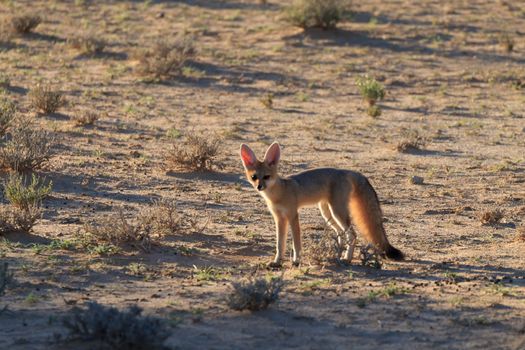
85	118
370	257
195	152
165	58
44	99
324	247
24	24
491	217
156	221
411	142
115	329
17	219
255	294
521	234
323	14
87	44
25	148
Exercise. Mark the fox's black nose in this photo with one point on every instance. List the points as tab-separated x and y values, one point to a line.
259	187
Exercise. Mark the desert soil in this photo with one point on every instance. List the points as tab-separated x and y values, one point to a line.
448	79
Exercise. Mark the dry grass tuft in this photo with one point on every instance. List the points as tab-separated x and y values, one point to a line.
370	257
195	152
255	294
506	42
87	45
412	142
7	115
491	217
45	99
521	234
24	24
85	118
115	329
17	219
165	59
6	277
324	247
158	220
323	14
25	148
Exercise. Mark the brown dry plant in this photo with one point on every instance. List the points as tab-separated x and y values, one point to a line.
44	99
195	152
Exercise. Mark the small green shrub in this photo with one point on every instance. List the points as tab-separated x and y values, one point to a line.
45	99
255	294
371	90
315	13
165	58
24	194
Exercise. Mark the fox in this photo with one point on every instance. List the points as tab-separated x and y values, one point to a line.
343	197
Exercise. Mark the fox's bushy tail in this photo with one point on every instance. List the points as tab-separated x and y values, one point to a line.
367	216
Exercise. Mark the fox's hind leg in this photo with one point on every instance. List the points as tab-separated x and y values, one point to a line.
327	216
341	214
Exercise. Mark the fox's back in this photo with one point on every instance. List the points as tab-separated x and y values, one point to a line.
315	185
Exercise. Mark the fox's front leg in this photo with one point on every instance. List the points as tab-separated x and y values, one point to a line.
296	235
281	228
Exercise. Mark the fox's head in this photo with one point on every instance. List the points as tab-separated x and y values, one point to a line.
262	174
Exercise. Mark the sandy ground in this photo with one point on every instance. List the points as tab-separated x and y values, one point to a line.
448	79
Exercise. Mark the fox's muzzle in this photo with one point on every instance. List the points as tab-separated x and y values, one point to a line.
260	187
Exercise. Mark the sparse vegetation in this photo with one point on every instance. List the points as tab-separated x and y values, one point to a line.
5	82
5	277
23	194
117	229
7	115
255	294
374	111
24	24
165	58
16	219
506	42
491	217
267	100
371	90
324	247
25	148
315	13
44	99
207	273
116	329
195	152
151	223
370	257
85	118
87	45
411	142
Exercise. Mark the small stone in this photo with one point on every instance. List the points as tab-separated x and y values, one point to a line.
416	180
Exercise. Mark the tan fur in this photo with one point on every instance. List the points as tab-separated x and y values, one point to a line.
340	194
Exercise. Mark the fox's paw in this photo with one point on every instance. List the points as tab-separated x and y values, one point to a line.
274	265
296	263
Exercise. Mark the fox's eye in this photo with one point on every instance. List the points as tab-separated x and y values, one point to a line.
254	177
266	177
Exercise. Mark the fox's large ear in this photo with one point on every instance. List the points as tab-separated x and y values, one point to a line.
273	153
247	156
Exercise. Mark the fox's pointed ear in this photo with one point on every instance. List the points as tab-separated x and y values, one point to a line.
273	153
247	156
